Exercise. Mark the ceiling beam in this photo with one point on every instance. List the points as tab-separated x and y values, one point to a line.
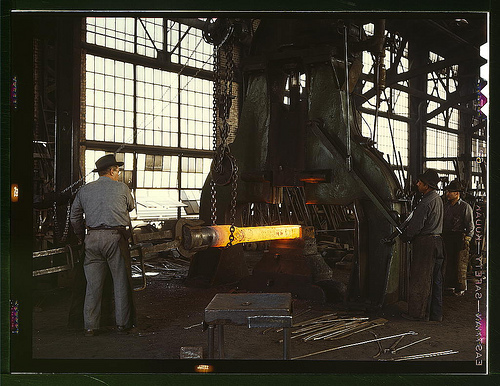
422	70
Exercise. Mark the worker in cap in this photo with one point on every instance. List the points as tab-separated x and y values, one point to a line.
458	228
106	204
425	298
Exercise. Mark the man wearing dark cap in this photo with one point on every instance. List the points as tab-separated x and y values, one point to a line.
425	298
458	228
106	204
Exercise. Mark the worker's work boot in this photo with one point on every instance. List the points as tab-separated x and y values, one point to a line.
89	332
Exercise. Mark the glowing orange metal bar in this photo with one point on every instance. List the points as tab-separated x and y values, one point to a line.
252	234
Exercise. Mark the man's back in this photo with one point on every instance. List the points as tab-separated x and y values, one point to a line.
104	202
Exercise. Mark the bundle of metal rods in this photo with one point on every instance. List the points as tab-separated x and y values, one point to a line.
331	327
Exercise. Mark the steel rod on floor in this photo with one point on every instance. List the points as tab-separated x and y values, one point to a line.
411	344
420	356
355	344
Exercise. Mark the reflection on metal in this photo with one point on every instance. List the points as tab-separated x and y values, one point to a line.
68	251
198	238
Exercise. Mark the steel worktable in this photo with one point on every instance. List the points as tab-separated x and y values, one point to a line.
250	309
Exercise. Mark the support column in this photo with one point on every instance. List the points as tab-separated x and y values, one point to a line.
417	56
468	74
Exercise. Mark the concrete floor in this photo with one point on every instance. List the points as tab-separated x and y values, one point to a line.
169	313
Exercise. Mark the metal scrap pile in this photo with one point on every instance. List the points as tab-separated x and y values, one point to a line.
164	268
330	327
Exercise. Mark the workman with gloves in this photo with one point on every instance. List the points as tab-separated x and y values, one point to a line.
458	228
425	297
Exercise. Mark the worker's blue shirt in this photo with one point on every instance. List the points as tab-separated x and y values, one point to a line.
104	202
427	218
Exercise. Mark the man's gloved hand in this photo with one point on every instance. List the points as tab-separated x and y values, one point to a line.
467	240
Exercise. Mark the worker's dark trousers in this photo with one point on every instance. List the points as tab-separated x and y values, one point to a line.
102	249
425	299
457	258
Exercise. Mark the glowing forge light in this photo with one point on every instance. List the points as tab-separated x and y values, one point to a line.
202	237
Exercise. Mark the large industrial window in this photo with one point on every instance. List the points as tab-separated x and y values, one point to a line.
159	121
441	144
387	123
109	100
479	152
441	136
157	109
143	36
196	113
192	49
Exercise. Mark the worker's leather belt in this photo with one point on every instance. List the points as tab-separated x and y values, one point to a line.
104	227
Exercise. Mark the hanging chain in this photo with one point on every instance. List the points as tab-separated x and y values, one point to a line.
56	222
65	233
234	177
223	94
66	226
213	197
232	210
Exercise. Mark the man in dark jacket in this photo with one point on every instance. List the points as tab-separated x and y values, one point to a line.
425	298
458	228
106	204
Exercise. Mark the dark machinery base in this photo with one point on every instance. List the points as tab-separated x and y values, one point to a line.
300	287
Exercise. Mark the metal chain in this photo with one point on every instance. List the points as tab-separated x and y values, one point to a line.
234	177
56	222
66	226
223	89
65	233
232	210
75	183
213	193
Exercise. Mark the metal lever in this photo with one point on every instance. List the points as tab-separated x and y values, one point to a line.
399	230
380	350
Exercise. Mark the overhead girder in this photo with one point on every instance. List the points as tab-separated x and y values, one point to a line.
453	100
394	79
443	35
157	63
407	89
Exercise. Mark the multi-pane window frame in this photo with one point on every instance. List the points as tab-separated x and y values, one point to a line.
445	122
393	113
479	159
135	150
